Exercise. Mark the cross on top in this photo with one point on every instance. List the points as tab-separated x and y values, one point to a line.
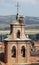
17	7
17	10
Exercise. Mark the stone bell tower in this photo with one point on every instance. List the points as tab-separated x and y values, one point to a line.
17	45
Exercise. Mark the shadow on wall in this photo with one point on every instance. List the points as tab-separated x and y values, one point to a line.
2	57
35	64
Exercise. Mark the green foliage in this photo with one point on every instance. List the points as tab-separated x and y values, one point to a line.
32	36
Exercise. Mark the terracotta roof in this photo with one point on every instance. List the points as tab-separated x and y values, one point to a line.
36	43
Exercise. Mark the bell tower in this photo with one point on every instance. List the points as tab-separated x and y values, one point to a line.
17	45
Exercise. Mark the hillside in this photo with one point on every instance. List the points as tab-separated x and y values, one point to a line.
31	22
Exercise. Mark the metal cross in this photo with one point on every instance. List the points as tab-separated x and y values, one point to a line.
17	7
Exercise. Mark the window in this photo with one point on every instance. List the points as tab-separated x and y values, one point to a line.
11	28
23	51
18	34
13	51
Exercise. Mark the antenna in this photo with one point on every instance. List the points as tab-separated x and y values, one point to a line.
17	10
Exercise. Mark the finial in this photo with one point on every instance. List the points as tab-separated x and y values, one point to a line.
17	10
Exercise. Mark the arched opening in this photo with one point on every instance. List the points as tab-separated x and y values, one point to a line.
23	51
14	51
11	29
18	34
33	44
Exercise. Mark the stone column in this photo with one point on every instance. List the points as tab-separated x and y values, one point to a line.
28	52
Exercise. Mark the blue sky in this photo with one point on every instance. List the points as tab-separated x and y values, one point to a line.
26	7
